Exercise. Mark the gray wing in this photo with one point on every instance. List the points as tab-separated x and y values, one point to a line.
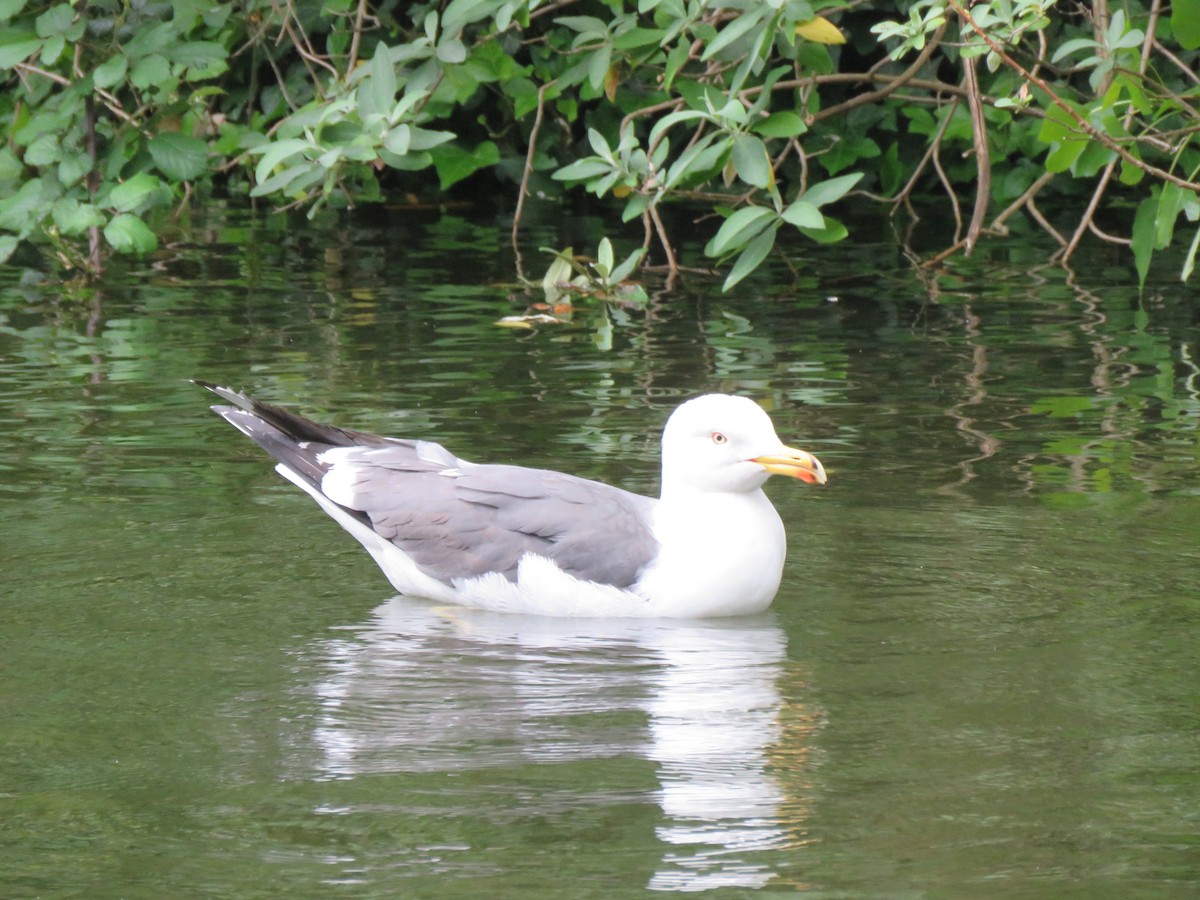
465	520
456	519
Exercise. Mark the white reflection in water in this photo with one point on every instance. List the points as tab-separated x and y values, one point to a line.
424	689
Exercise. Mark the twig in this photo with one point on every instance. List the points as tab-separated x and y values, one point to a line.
1082	123
533	136
672	262
359	18
894	84
983	159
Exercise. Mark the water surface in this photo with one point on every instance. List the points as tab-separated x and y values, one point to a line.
979	677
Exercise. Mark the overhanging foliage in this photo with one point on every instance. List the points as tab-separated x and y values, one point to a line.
767	112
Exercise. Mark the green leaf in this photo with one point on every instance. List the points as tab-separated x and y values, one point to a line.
23	211
73	167
740	228
56	21
275	153
780	125
127	233
199	56
44	150
451	51
625	269
282	181
750	258
1144	233
582	169
131	194
453	163
1189	262
179	156
803	214
1185	22
639	37
831	189
751	161
425	138
1170	204
9	8
735	30
8	245
604	257
18	51
73	217
377	91
109	72
833	232
150	70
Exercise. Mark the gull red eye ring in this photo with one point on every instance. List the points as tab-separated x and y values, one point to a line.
719	438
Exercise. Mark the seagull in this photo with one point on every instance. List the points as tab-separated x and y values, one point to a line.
507	538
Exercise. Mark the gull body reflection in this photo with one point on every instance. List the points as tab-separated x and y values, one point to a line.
423	689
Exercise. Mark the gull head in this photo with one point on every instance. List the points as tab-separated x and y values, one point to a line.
726	444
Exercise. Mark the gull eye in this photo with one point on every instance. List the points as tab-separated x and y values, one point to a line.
719	438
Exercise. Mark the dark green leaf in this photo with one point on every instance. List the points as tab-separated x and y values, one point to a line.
453	163
179	156
1185	22
1144	232
781	124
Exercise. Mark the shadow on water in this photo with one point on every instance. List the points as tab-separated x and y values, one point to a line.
689	717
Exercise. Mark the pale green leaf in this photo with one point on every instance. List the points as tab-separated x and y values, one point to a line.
750	258
735	30
832	189
803	214
134	192
740	228
751	161
275	153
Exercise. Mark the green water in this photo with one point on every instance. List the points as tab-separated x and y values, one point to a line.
979	678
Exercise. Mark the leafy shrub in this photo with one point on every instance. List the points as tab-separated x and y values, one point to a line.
766	112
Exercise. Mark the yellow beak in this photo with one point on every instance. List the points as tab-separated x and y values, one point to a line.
795	464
